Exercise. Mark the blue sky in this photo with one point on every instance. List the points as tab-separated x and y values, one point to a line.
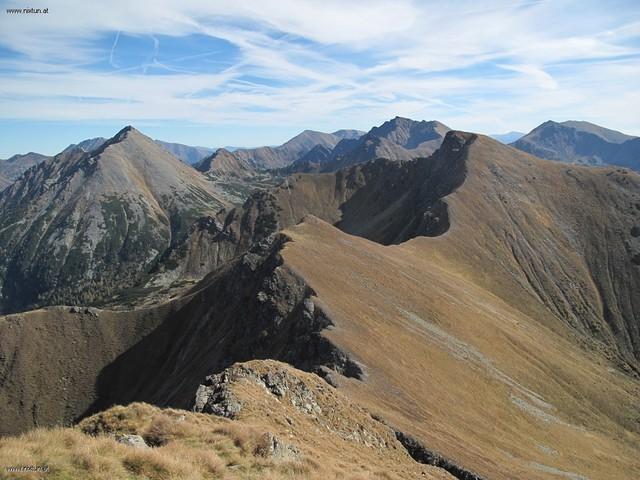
220	72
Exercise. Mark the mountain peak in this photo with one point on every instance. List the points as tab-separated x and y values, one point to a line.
124	133
580	142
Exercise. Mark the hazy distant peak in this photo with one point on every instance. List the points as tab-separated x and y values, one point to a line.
348	134
508	137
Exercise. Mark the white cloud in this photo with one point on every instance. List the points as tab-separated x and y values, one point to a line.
507	65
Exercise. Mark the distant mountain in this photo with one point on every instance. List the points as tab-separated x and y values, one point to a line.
289	152
223	163
186	153
508	137
83	225
583	143
87	145
233	177
353	134
312	161
397	139
13	167
4	182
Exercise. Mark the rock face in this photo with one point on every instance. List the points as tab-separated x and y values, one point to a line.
81	226
583	143
216	395
4	182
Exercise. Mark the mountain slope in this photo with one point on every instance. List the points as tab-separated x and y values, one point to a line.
467	374
4	182
186	153
441	342
581	142
80	226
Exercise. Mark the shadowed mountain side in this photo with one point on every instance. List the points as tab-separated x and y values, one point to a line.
59	364
311	162
385	201
50	360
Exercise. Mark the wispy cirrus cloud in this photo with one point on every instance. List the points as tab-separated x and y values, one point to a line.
499	66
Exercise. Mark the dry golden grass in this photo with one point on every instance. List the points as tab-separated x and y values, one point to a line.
453	361
189	446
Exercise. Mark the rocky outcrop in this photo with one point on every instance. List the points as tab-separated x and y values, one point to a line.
216	396
423	455
244	389
134	441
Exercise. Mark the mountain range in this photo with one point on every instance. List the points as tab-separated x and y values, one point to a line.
396	139
412	302
292	150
